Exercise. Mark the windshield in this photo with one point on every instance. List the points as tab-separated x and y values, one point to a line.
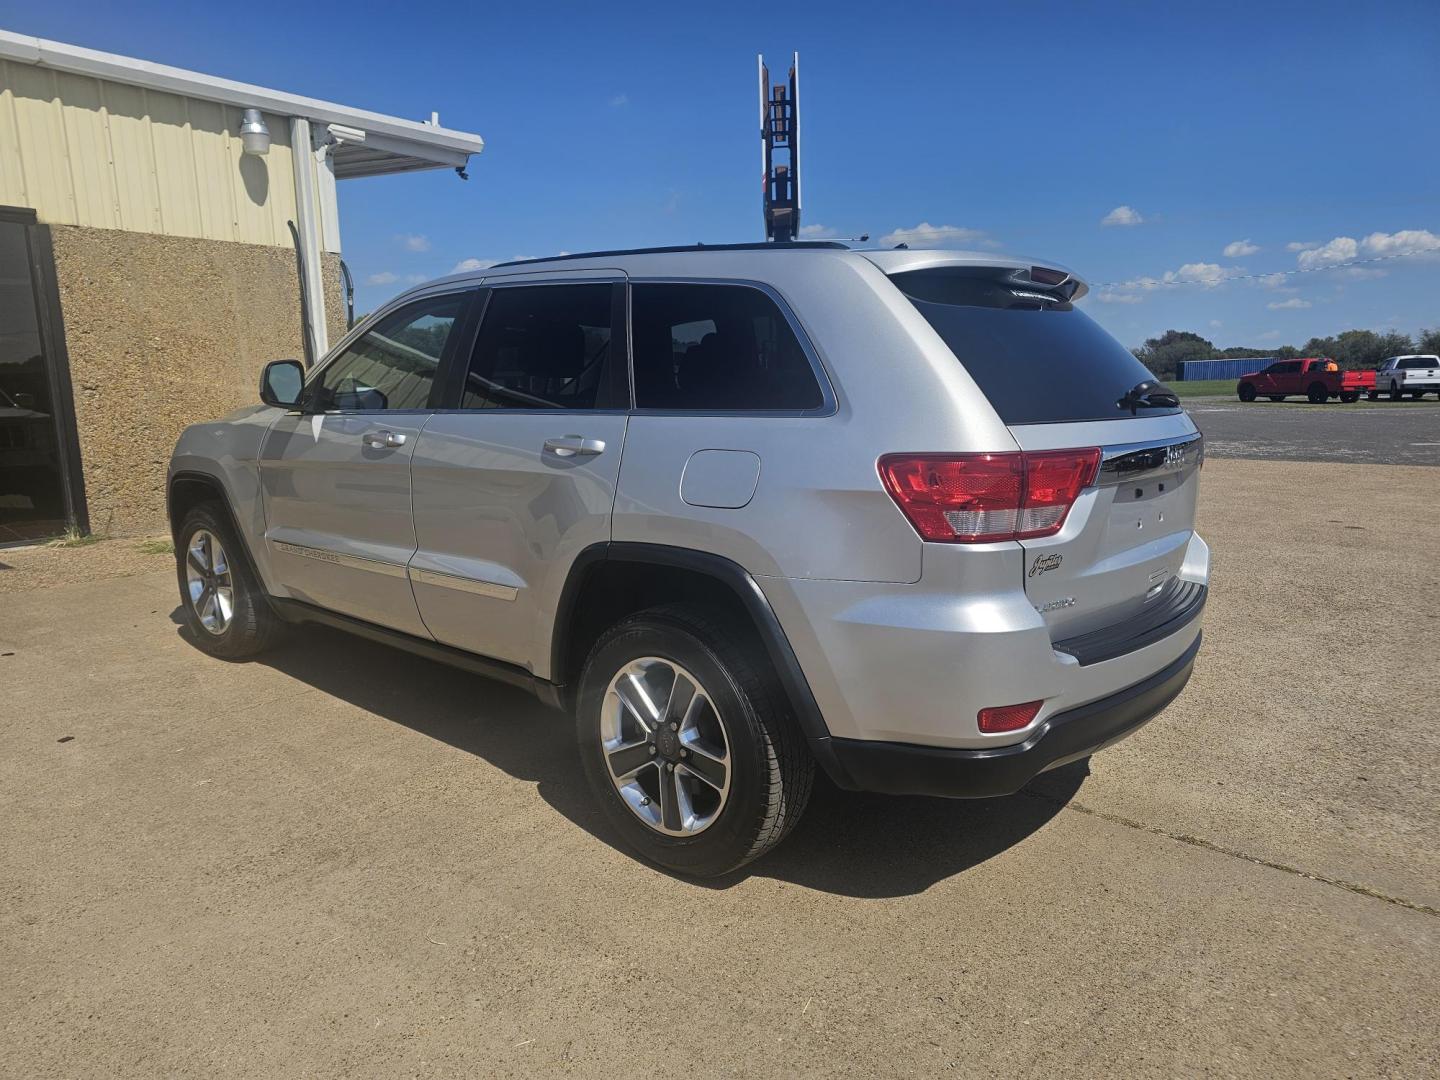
1036	358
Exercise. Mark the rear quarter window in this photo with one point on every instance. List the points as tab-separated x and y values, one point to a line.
1035	356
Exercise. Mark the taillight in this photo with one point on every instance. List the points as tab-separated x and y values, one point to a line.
1007	717
981	498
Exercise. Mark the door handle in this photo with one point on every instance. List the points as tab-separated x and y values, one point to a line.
575	446
379	440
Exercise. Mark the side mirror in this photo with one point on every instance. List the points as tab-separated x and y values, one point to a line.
281	383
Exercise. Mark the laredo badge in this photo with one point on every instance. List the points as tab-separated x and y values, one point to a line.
1044	563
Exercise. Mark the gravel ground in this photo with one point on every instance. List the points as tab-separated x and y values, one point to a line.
345	861
40	566
1372	432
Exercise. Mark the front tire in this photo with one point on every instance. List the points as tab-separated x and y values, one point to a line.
224	605
1247	392
687	743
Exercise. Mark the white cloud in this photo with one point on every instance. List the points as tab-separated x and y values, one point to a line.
413	241
415	279
1271	281
926	235
385	277
619	101
464	266
1301	245
1270	335
1238	249
1341	249
1206	275
1294	303
1123	215
1201	273
816	232
1379	243
1216	324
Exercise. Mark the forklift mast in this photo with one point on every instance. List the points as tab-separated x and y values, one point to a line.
780	137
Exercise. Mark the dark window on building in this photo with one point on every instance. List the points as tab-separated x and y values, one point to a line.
393	365
541	347
717	348
32	491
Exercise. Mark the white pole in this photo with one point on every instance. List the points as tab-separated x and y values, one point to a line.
302	154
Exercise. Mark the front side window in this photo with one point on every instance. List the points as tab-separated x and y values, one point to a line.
542	347
393	365
717	348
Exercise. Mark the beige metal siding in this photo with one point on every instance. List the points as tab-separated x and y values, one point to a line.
95	153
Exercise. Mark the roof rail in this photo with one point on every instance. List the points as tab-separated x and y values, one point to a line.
789	245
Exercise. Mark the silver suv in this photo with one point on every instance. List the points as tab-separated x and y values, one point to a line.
907	517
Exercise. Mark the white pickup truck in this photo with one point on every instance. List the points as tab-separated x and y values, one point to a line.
1415	375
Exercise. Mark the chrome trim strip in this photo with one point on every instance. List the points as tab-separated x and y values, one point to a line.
1126	463
353	562
463	584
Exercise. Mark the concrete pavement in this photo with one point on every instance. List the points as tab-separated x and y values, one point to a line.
345	861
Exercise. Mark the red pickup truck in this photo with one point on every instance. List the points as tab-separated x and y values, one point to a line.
1318	378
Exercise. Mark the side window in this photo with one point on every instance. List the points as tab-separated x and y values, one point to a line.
541	347
393	365
1290	367
717	347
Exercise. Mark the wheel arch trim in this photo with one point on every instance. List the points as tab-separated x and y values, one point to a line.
752	599
222	496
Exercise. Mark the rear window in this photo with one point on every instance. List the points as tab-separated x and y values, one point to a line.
1036	358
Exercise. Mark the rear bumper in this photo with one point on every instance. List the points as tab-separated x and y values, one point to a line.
905	769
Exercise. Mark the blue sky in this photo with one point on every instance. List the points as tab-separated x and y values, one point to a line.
1019	127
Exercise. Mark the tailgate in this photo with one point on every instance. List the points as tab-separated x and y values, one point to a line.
1120	552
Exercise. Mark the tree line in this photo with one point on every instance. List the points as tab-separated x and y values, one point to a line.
1353	349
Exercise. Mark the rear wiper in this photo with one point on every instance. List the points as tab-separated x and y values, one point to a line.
1148	395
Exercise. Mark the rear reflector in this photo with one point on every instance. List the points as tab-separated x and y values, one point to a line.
982	498
1007	717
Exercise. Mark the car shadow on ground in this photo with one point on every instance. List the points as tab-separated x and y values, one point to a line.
849	844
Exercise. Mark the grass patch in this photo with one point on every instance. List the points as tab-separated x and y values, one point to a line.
155	547
1205	388
73	539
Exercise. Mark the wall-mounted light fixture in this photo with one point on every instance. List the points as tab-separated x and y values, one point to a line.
254	135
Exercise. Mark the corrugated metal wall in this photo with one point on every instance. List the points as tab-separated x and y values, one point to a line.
84	151
1193	370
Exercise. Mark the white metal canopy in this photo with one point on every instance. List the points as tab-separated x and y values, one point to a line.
389	145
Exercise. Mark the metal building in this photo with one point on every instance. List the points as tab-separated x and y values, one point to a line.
1194	370
163	233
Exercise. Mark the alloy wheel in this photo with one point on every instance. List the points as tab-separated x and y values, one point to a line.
665	747
208	582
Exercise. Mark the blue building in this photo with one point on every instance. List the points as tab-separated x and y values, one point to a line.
1194	370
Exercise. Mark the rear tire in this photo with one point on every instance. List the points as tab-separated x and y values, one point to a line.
1350	397
741	732
1246	392
1317	394
1372	395
1395	394
225	607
